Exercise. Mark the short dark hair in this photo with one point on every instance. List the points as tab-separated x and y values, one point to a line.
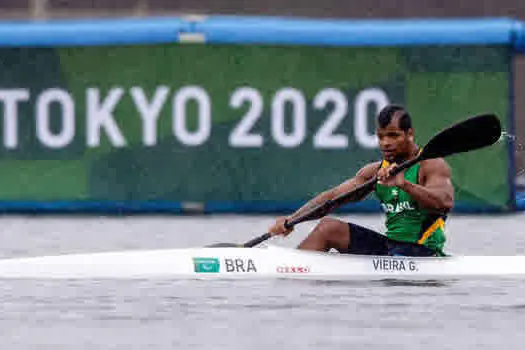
385	117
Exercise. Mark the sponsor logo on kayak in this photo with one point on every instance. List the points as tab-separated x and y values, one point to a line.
239	265
293	269
206	265
393	264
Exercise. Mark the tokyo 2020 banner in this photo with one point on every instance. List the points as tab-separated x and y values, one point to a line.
233	127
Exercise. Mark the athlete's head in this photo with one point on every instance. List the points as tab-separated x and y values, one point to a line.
395	133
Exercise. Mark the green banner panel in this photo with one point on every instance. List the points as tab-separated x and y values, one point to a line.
234	123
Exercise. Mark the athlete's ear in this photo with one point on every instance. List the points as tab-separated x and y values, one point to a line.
410	133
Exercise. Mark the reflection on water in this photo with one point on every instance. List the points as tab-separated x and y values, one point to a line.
377	283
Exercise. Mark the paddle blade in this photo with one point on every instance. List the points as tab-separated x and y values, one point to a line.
471	134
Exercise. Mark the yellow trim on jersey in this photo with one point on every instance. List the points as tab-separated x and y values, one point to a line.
439	223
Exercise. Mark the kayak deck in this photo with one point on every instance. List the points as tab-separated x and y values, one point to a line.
248	263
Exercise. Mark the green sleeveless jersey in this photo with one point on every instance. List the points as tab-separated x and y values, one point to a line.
405	221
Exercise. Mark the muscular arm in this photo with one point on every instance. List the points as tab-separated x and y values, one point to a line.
435	191
363	175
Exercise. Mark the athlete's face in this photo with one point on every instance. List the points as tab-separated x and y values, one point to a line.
394	142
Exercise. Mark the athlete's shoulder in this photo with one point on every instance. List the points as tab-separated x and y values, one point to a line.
435	165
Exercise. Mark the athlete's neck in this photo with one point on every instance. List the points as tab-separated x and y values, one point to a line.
414	150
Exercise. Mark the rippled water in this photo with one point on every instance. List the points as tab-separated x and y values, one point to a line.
170	314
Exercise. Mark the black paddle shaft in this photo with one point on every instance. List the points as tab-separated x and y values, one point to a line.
256	240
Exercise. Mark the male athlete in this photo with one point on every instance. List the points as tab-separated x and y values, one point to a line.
415	201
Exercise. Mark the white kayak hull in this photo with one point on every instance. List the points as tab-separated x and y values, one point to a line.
253	263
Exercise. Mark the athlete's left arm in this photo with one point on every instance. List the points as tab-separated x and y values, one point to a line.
435	191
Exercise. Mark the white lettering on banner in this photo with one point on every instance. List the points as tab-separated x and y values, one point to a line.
296	99
325	137
288	112
149	112
11	98
180	126
362	101
101	116
43	119
241	136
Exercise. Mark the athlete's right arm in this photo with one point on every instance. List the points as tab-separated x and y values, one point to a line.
363	175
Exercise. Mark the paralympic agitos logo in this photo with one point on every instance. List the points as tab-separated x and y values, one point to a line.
213	265
206	265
